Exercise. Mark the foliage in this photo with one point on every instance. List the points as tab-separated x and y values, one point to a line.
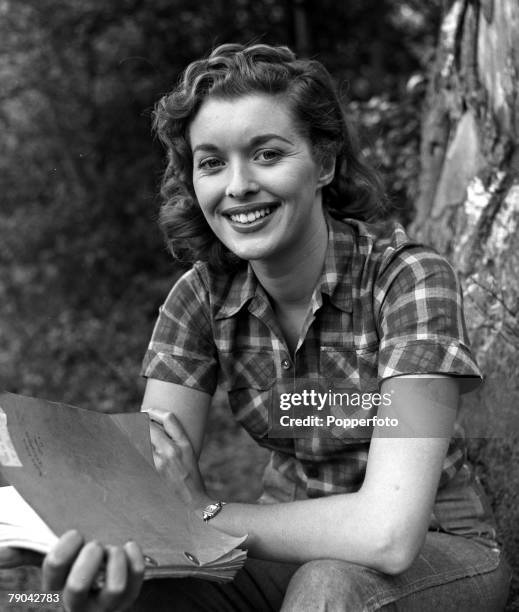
390	131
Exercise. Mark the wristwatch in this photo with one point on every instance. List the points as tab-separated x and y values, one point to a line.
212	510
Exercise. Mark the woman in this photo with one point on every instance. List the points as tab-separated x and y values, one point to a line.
265	191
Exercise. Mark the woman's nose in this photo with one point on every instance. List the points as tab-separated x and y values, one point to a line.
241	182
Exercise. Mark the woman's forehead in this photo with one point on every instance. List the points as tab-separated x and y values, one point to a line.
242	119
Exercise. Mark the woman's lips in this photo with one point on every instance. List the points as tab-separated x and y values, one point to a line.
250	219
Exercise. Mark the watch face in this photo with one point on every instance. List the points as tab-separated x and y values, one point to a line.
211	510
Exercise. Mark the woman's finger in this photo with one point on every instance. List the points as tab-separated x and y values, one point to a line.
156	413
59	560
115	586
158	435
175	431
82	576
124	576
161	442
169	428
136	567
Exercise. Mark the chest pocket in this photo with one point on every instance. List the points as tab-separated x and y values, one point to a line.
351	367
248	378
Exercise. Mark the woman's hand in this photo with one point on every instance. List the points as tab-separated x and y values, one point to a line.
76	569
175	459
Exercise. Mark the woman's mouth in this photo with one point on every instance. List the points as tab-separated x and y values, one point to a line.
250	217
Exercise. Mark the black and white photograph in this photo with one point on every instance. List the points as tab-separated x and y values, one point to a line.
258	306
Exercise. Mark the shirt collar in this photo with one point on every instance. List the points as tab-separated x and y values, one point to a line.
336	277
335	280
243	288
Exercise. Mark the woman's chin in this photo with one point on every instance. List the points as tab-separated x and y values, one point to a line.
251	253
252	248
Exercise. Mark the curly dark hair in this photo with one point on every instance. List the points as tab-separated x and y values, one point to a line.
232	71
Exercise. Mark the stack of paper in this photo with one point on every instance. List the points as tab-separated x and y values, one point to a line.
94	472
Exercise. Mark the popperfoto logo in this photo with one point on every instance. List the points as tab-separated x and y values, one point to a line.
302	408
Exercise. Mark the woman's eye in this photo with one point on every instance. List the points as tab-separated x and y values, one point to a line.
209	164
268	155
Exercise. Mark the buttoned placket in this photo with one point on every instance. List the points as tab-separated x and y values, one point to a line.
260	308
285	363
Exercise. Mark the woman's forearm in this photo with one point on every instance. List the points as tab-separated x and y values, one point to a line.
339	527
381	526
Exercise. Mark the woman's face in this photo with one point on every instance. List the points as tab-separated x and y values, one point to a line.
254	176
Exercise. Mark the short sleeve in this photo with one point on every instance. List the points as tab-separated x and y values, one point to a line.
421	326
182	349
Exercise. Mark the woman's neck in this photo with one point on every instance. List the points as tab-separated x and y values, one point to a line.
290	280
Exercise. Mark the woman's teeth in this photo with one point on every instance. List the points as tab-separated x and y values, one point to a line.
250	217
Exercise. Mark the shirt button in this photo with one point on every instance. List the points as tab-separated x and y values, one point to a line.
285	364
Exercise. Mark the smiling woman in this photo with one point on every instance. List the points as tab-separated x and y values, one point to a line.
266	195
301	95
256	180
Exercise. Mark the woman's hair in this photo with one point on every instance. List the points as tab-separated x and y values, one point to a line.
232	71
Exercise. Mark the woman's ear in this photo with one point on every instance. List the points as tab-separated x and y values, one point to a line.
327	170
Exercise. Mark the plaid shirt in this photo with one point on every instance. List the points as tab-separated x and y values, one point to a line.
383	306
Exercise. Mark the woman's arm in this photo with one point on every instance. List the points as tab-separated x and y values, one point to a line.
183	411
383	524
189	406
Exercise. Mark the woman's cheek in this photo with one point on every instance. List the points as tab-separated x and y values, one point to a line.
207	195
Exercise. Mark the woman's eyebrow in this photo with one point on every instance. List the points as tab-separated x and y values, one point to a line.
262	138
205	147
253	142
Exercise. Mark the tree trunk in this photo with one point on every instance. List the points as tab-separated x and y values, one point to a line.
468	208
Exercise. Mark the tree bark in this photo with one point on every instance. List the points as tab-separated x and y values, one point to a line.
468	208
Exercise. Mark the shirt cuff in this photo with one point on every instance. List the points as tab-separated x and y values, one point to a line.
430	356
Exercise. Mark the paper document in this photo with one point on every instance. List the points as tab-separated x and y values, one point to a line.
94	472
